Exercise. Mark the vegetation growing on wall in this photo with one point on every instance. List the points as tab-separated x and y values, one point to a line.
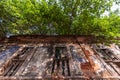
59	17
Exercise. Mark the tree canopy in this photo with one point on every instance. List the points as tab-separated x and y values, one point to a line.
59	17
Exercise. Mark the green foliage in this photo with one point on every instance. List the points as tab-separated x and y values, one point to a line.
61	17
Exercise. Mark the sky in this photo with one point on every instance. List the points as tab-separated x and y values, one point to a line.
113	8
